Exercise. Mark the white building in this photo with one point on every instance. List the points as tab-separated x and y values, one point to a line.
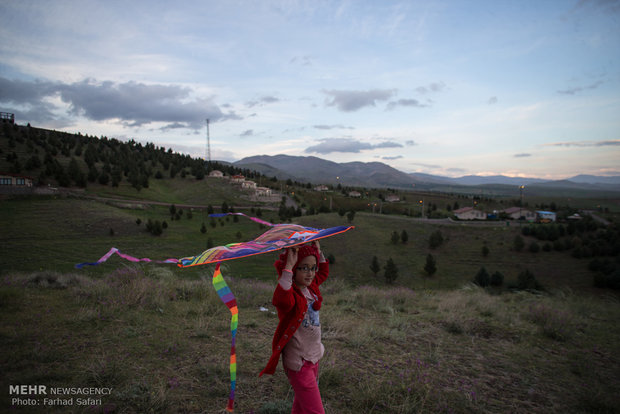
469	213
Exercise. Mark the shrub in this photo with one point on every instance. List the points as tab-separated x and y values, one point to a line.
395	237
534	247
497	279
527	280
485	250
482	278
518	243
435	240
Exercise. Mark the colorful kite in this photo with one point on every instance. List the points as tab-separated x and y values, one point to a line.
279	236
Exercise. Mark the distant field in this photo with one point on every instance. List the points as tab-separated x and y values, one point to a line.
56	233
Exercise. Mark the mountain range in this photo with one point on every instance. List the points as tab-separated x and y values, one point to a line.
379	175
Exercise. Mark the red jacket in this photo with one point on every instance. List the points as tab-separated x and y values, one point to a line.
292	306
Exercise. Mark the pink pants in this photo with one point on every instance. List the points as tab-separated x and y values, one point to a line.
307	395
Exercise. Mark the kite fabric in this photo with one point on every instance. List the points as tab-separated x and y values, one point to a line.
279	236
226	295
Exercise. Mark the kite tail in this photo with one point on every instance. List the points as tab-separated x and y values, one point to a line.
255	219
114	250
226	295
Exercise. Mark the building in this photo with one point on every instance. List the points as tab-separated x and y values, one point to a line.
216	174
15	180
7	117
392	198
469	213
321	188
15	184
263	191
545	216
520	213
355	194
248	185
237	179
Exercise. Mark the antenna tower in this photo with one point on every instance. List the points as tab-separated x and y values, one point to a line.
208	154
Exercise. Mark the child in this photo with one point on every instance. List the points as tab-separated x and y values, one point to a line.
298	336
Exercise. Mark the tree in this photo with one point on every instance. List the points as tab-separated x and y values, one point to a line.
527	280
391	271
395	237
497	279
351	216
518	243
482	278
435	240
374	265
203	228
404	237
431	265
485	250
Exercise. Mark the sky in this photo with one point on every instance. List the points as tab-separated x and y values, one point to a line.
445	87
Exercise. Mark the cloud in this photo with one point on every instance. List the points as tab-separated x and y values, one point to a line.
410	143
492	100
607	143
577	89
396	157
330	145
133	103
351	101
405	102
332	127
247	133
431	87
262	101
522	155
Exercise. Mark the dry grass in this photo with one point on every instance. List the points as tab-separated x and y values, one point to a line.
162	343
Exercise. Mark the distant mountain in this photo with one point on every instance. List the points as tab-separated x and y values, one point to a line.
317	170
595	179
495	179
376	174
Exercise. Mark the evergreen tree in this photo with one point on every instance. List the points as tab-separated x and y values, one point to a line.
391	271
404	237
374	265
431	265
482	278
395	237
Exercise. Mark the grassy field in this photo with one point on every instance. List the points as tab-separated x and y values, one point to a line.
159	335
161	343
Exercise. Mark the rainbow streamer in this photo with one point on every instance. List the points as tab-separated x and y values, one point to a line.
226	295
114	250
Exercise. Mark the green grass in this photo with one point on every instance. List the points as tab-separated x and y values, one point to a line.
162	344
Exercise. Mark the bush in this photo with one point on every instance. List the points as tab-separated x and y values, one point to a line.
518	243
482	278
527	280
497	279
435	240
534	247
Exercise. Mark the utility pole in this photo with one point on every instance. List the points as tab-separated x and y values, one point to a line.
208	154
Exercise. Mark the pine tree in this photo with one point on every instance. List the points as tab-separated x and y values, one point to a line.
391	271
431	265
374	265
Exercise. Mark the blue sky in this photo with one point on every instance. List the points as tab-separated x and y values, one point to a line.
520	88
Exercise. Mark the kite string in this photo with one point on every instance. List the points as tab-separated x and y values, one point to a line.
226	295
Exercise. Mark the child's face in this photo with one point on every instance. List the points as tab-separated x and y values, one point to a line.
305	271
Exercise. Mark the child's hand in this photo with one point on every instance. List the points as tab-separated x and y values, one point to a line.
317	245
291	258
